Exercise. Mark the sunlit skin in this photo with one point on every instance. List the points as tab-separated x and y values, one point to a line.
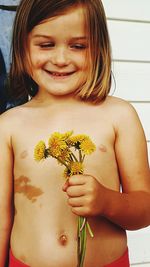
44	232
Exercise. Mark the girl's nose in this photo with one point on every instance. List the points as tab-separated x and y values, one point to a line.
60	57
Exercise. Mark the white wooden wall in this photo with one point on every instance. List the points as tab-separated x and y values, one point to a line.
129	28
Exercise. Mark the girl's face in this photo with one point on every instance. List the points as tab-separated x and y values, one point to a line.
57	50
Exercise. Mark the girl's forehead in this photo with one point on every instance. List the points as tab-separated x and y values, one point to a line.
72	20
71	17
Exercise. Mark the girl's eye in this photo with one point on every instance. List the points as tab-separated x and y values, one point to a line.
47	45
79	46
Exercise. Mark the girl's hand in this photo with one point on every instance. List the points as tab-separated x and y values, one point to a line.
86	195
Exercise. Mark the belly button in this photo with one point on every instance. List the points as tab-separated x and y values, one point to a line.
63	240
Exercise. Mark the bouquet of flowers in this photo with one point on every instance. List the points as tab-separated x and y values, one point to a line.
69	150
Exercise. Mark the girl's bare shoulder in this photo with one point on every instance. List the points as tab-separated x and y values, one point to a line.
12	118
122	112
116	102
118	106
11	114
16	113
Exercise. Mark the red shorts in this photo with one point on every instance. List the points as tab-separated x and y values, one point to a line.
13	262
121	262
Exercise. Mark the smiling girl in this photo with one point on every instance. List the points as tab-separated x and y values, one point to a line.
61	58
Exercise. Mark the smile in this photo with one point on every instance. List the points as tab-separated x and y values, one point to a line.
59	74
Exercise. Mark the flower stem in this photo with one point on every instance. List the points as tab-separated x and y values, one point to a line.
82	237
89	229
74	157
80	156
83	158
83	224
83	245
62	162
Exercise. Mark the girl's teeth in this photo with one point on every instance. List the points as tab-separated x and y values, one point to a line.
59	74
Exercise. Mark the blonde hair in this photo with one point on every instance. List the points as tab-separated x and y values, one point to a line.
98	84
30	13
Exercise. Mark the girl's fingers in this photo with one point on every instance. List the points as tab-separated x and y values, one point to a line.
73	180
77	180
80	211
75	191
75	201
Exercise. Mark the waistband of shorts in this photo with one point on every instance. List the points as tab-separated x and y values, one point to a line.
123	261
14	262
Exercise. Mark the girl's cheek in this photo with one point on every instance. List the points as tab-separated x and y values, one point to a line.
40	61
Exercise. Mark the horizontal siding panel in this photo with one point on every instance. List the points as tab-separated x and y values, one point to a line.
132	81
143	111
139	244
127	9
130	41
141	264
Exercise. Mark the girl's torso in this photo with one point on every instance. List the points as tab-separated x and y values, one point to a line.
45	230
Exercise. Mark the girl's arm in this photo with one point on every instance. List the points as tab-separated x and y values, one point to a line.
88	197
131	208
6	190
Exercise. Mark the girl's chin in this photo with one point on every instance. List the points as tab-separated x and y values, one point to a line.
60	93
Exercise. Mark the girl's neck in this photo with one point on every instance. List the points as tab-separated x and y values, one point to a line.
46	100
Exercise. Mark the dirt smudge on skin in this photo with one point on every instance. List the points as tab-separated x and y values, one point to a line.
23	186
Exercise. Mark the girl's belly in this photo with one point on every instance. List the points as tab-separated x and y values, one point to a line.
39	244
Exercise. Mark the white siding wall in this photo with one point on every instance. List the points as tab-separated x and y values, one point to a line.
129	27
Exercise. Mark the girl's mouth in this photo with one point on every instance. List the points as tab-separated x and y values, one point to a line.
59	74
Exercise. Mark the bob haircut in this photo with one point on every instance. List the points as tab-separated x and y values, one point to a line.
31	13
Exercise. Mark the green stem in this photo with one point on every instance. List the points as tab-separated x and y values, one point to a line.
83	247
83	224
74	157
80	155
63	162
89	229
82	238
83	158
79	240
71	157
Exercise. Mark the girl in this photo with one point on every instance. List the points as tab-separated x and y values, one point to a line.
61	59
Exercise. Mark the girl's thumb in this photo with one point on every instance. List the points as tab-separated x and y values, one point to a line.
65	186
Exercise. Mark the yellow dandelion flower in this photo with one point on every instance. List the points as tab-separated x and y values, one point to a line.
39	151
87	146
65	156
57	135
76	140
66	173
56	144
66	135
76	168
